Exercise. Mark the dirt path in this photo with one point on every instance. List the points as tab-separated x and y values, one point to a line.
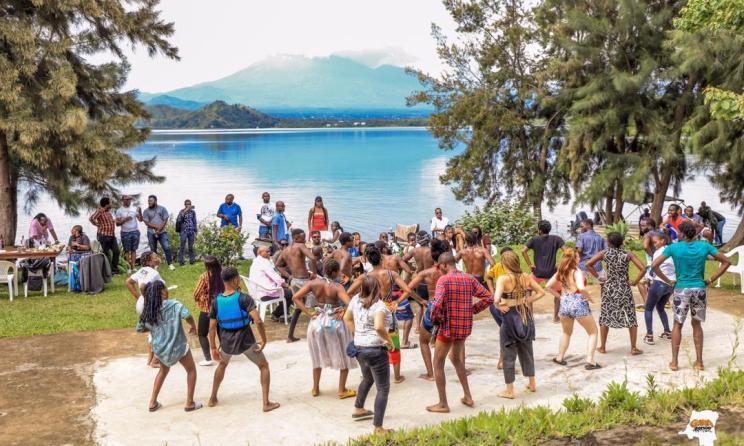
46	392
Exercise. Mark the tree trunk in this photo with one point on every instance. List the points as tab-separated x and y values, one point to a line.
608	210
738	237
8	192
618	202
661	186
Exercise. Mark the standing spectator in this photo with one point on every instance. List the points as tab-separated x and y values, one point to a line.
317	217
265	215
279	224
438	223
156	218
40	229
645	216
230	213
589	244
545	248
699	222
453	309
104	221
186	227
715	220
690	286
127	217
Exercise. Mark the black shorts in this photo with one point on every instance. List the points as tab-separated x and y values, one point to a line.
423	291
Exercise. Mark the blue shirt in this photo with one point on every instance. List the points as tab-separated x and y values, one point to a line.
280	221
689	262
590	243
169	342
231	212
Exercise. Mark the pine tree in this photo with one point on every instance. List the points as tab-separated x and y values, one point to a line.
492	100
64	122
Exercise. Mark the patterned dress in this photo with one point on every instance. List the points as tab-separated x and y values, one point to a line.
617	309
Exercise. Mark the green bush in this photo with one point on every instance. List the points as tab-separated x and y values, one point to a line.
620	227
507	223
225	243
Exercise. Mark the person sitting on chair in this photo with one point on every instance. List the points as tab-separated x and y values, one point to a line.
79	244
271	284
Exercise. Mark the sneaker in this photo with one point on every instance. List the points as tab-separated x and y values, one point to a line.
649	339
206	363
666	335
172	267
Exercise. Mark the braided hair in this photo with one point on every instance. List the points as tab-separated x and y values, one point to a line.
215	285
153	301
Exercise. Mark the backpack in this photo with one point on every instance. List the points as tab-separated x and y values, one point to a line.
229	314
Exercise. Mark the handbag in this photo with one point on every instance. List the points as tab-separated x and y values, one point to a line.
351	350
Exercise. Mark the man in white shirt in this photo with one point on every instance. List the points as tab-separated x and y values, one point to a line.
270	283
127	216
438	223
264	215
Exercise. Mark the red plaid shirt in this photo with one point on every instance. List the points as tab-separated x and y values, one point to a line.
104	221
453	307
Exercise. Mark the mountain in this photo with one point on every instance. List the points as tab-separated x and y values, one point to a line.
296	82
164	99
217	115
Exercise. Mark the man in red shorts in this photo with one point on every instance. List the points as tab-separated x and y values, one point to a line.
452	310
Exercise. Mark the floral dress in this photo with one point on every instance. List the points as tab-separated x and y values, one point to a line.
617	309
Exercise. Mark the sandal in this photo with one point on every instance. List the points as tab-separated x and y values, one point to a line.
409	347
508	396
196	406
362	416
348	394
561	362
155	407
594	366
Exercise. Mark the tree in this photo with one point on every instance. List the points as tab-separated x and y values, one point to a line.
64	124
492	100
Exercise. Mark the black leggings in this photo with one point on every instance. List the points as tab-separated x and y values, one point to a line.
374	363
203	330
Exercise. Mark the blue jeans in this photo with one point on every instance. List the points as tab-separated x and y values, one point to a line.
658	295
153	240
497	315
375	367
264	231
186	237
719	232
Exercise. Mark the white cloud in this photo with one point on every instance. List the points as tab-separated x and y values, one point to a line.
216	39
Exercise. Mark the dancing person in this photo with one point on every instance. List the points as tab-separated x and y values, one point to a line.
327	336
230	318
294	262
128	217
659	293
475	258
106	236
162	319
515	293
317	217
690	287
40	229
230	213
344	258
187	229
617	309
155	218
370	320
544	248
574	306
453	309
264	216
208	287
438	223
264	273
404	312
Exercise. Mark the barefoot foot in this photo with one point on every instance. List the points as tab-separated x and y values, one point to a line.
505	394
212	402
673	367
601	350
268	407
426	377
399	379
438	408
467	401
292	339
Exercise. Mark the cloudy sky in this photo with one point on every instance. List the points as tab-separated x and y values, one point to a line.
217	38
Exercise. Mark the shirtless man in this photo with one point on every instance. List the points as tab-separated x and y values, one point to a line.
421	254
344	259
428	279
388	281
405	313
292	263
327	346
474	257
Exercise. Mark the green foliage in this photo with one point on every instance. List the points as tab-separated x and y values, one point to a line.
225	243
65	119
724	104
576	404
217	115
505	222
617	396
711	15
620	227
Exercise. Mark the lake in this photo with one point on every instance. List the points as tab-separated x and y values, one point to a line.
370	179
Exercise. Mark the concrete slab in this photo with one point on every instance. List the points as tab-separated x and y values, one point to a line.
123	388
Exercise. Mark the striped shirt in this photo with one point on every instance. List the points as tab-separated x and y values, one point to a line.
104	221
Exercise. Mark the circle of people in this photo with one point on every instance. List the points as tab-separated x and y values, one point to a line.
359	296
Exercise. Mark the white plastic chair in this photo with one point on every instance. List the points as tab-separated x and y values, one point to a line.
38	273
737	269
9	275
258	292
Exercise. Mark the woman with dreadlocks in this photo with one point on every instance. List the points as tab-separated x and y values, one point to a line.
162	318
515	292
207	288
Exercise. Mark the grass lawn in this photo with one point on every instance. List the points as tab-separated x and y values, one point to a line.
114	308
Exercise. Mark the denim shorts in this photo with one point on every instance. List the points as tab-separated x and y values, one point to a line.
130	241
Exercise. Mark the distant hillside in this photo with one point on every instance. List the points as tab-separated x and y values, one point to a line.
164	99
217	115
220	115
295	82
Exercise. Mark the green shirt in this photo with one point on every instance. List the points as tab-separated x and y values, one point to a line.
689	262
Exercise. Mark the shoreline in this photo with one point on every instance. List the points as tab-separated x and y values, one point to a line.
281	130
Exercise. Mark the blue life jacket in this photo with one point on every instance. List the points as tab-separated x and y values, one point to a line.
229	314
